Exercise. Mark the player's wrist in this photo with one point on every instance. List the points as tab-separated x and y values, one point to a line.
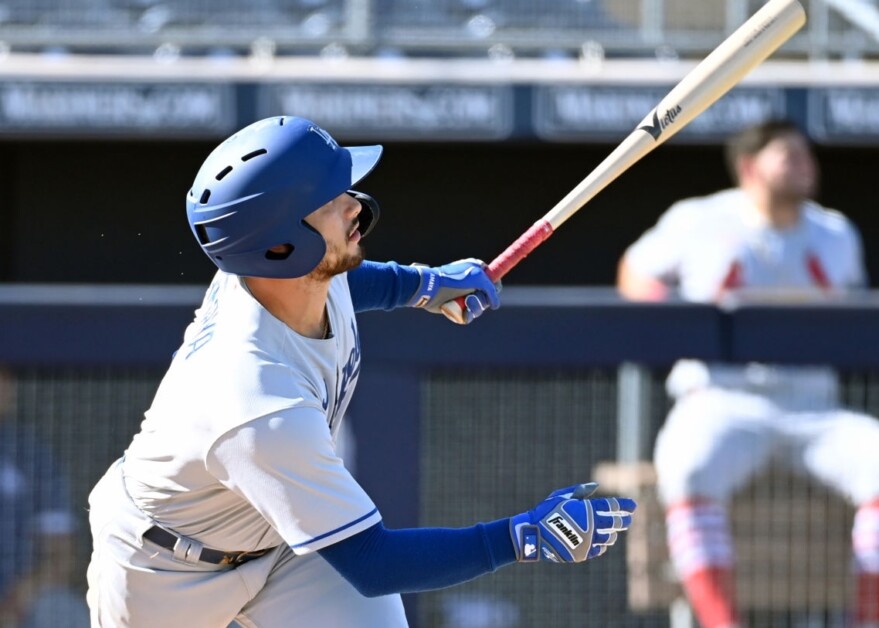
526	539
428	285
496	540
464	278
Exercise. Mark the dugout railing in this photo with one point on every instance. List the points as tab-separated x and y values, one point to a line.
450	425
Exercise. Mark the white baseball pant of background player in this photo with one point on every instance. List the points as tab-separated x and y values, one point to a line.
728	421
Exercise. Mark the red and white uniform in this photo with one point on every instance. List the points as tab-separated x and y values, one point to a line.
729	419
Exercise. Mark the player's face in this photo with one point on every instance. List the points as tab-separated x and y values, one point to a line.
787	167
337	222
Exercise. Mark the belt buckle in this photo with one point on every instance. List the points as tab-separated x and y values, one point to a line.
187	551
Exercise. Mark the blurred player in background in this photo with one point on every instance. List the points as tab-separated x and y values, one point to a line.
232	502
36	528
763	239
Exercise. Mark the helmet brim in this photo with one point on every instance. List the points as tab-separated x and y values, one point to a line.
363	160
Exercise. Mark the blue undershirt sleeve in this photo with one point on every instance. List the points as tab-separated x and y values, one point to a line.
382	285
379	561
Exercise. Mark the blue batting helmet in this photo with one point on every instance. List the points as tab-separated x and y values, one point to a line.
255	189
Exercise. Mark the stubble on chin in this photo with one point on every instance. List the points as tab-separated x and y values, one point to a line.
329	268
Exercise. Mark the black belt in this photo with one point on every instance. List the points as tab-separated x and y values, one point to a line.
168	540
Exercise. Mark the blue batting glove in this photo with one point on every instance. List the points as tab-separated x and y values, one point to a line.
466	278
567	527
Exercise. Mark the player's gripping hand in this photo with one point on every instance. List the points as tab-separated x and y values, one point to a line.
466	278
568	527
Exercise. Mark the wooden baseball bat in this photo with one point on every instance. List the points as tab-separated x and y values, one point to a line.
749	45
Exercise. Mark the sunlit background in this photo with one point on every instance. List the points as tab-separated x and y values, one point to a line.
490	111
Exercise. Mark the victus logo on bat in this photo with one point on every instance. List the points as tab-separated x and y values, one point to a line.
566	531
656	126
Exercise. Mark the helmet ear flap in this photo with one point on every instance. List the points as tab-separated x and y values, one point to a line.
369	212
280	253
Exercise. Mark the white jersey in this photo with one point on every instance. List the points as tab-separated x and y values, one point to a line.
710	245
237	450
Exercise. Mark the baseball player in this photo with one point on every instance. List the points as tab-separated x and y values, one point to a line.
767	238
231	503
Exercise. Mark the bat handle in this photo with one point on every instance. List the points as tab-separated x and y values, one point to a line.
512	255
518	250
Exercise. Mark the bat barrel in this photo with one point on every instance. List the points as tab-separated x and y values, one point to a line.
761	35
747	47
750	44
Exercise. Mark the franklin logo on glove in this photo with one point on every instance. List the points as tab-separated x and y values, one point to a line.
569	526
571	538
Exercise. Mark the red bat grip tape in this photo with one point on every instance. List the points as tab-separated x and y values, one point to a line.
516	252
